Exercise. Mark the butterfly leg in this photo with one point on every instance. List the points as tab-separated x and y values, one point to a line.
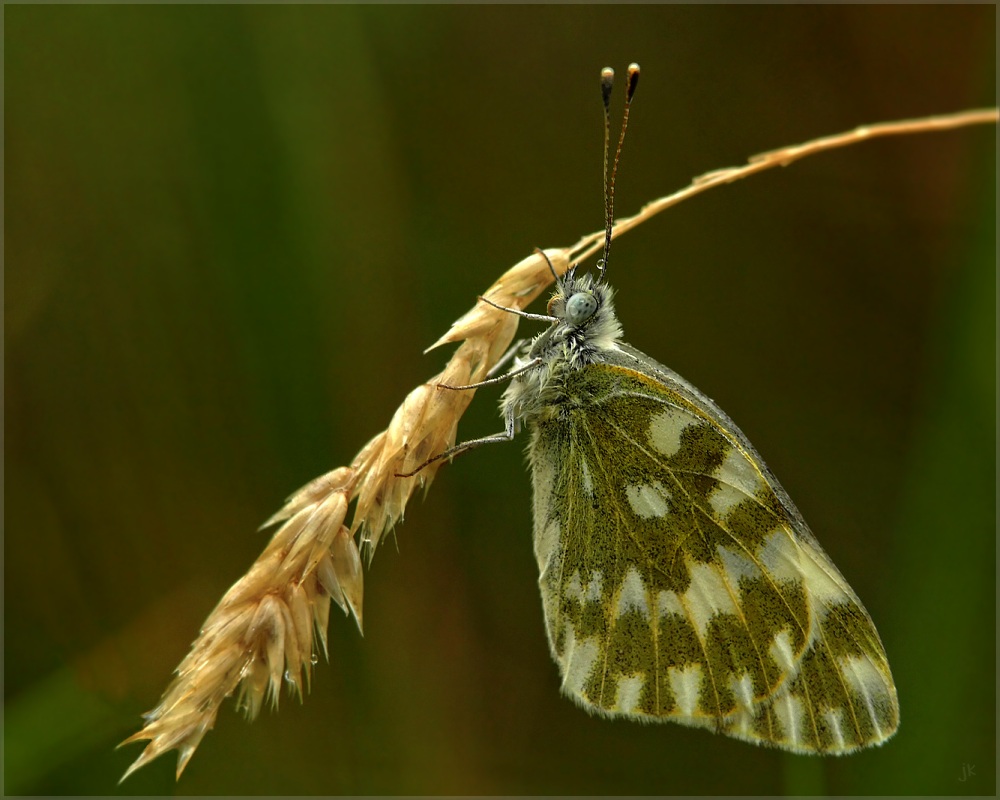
519	312
495	380
463	447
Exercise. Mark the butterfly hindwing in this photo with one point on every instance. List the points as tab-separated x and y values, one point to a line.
678	580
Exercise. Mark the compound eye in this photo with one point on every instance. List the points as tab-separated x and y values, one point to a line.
580	307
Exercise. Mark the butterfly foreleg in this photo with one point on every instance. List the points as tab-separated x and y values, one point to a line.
498	379
507	435
519	312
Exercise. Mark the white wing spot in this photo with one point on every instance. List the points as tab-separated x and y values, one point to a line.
787	559
738	566
738	480
743	690
863	675
574	589
633	594
629	689
595	588
578	661
790	713
739	725
781	652
665	430
832	717
588	481
868	681
648	501
725	498
780	557
707	595
668	602
685	682
823	582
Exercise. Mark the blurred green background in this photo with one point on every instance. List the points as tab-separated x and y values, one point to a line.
232	230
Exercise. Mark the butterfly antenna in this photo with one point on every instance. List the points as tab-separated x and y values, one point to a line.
607	81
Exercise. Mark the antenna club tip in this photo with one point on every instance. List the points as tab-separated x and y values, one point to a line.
633	79
607	81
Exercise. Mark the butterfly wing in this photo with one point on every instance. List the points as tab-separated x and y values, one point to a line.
678	580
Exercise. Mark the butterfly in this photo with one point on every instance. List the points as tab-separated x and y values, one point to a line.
679	582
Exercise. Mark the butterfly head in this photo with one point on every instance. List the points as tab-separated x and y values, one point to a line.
585	323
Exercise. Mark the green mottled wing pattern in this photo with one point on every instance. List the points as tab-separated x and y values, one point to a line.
680	583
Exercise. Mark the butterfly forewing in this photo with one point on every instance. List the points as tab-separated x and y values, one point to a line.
679	582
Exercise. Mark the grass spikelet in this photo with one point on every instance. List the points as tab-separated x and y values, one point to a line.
261	634
270	625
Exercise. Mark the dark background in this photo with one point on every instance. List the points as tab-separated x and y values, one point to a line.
231	231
